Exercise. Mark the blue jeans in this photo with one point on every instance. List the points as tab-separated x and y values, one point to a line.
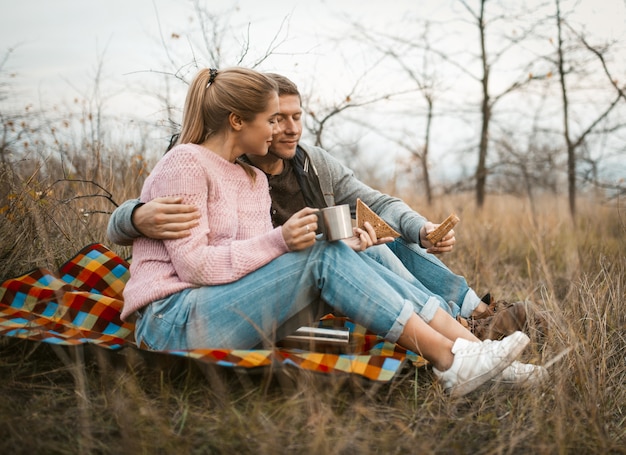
273	301
428	273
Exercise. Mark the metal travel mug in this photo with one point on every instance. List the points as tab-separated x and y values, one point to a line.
337	222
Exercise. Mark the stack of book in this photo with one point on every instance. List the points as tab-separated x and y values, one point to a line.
318	339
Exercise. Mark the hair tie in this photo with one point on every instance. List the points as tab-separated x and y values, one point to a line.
212	76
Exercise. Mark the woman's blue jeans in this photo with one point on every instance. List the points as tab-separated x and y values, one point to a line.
273	301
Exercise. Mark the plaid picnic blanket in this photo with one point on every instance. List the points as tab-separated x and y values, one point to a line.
81	303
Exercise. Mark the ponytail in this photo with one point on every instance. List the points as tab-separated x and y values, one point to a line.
214	94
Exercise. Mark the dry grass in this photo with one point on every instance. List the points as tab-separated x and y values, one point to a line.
87	400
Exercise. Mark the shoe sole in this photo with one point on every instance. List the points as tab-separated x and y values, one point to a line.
462	389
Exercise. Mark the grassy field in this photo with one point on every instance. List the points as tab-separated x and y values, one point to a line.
87	400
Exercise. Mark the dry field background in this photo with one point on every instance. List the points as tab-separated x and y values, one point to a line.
87	400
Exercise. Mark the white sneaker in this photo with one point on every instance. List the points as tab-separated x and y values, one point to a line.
519	373
476	362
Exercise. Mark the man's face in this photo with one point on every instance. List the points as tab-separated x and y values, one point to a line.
287	135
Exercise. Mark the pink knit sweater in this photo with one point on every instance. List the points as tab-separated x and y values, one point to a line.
234	238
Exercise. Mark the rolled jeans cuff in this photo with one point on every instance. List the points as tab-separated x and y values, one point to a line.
429	309
398	326
470	302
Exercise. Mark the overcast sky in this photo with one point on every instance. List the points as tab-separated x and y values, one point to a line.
57	42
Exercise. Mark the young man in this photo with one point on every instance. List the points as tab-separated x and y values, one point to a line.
301	175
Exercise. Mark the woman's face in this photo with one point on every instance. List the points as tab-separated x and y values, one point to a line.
256	136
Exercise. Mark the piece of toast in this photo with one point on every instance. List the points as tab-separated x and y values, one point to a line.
440	232
364	213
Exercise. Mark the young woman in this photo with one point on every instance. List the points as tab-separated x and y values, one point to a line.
236	282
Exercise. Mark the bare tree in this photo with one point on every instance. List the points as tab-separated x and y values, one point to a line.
491	60
321	116
404	51
486	105
488	99
574	143
215	41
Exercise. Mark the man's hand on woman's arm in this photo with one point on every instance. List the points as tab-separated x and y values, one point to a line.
165	218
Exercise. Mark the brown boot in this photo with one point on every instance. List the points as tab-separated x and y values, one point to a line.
501	319
508	318
479	324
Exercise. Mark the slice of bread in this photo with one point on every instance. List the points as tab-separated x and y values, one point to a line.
364	213
440	232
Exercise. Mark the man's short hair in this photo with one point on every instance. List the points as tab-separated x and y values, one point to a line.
285	85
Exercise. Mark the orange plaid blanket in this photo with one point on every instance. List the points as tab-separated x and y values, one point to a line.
81	303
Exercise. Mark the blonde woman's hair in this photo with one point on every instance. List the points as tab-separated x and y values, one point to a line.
214	94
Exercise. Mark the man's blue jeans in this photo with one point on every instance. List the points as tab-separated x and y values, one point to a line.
273	301
426	272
